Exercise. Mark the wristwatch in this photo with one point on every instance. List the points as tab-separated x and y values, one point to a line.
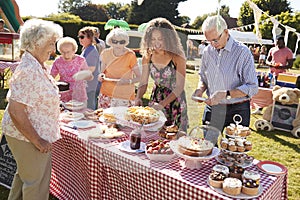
228	94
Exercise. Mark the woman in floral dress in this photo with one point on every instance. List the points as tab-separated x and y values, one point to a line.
164	60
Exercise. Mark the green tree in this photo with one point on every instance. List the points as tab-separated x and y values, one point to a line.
64	16
154	8
90	12
66	6
117	10
224	11
272	7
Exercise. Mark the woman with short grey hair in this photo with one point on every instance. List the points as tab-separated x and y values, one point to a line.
30	121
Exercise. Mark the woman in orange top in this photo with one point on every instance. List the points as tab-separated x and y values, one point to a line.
119	72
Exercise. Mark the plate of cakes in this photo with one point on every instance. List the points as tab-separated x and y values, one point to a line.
246	187
74	105
137	116
236	131
236	145
231	159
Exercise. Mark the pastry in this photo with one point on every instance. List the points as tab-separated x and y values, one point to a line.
236	171
232	146
248	145
240	146
251	181
142	115
63	86
217	176
232	186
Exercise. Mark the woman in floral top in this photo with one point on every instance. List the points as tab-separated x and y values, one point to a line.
164	60
30	121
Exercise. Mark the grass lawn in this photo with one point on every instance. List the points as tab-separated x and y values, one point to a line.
276	145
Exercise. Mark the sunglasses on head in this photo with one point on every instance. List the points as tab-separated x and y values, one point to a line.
81	36
116	41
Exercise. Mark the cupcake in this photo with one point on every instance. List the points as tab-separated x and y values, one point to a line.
249	160
248	145
251	181
217	176
236	172
240	146
224	144
232	186
231	146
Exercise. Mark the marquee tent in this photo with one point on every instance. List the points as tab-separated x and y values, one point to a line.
244	37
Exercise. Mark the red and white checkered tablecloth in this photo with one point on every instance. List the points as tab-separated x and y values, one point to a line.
11	65
84	170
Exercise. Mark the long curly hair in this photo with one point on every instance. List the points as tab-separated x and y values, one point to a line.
171	39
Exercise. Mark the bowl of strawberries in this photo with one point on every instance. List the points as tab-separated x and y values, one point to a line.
159	150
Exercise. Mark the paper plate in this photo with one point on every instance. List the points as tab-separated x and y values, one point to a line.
270	167
82	124
82	75
199	98
125	146
71	116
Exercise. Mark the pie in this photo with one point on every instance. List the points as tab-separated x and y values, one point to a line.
142	115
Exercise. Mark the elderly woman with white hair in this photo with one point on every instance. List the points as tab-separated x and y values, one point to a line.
120	71
30	121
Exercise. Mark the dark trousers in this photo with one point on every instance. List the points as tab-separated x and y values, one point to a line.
220	116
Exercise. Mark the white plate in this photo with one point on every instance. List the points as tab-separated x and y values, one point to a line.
160	157
82	75
82	124
236	152
174	146
119	113
74	105
198	98
125	146
240	196
71	116
271	167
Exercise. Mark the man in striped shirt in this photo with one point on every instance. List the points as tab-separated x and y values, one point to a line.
227	75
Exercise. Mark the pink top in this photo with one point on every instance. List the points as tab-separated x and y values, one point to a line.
66	69
280	56
35	88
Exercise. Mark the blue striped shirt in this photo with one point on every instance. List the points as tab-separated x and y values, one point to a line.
229	68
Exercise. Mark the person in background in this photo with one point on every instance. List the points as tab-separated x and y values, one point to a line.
227	75
2	27
201	48
100	45
90	53
68	64
280	58
118	62
164	60
262	56
30	120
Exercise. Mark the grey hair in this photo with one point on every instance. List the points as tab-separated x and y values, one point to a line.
67	40
214	23
36	32
117	34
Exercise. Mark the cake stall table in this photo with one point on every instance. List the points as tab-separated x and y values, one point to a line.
96	170
262	99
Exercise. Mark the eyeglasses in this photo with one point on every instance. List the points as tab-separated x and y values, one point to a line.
216	40
116	41
81	36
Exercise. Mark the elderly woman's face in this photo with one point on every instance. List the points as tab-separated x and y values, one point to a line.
157	41
44	51
67	51
118	43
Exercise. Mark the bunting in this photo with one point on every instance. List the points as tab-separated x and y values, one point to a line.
257	14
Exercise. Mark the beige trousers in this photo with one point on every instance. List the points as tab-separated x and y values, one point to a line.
32	179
